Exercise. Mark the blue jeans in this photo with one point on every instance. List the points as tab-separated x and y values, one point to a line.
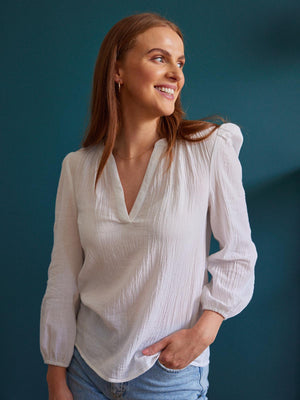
158	383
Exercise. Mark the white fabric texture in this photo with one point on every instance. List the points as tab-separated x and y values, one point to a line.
118	283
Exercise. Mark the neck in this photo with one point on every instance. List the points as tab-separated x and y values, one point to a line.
136	136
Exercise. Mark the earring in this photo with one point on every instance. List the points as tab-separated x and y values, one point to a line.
119	86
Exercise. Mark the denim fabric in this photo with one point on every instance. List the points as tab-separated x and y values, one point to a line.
158	383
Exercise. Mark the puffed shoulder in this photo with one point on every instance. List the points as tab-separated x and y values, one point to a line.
72	160
73	156
232	133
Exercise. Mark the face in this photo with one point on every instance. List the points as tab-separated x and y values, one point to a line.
151	74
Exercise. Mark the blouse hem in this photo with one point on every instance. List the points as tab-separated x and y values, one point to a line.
114	380
137	374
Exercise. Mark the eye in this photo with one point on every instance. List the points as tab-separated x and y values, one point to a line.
162	59
158	57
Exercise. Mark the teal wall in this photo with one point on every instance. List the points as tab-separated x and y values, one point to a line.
242	62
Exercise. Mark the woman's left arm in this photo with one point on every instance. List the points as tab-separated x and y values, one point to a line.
232	267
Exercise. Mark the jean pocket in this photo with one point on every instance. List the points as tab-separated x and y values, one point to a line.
170	369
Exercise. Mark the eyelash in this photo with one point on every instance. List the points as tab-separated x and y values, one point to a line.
162	57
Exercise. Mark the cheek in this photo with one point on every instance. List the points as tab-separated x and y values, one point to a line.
149	74
142	78
149	78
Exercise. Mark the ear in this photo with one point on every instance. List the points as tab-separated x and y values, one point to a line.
118	73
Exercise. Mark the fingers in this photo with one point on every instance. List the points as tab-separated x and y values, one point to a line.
156	347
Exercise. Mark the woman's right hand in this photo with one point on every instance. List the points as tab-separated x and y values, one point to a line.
57	383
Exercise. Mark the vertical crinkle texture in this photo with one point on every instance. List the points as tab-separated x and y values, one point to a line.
119	282
232	267
61	300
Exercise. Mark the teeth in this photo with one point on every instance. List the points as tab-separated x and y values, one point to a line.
164	89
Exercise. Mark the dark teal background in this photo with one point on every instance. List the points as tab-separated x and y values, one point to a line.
243	63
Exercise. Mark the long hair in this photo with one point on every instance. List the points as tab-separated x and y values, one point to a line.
105	113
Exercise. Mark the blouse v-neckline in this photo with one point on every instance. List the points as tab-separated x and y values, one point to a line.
116	181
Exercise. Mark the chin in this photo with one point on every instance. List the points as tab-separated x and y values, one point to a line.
167	113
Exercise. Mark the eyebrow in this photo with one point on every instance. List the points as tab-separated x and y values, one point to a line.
165	52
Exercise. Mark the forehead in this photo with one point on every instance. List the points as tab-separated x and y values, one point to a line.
159	37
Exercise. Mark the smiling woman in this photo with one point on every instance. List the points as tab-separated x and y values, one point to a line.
129	311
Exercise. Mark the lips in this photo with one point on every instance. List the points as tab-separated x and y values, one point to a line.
167	91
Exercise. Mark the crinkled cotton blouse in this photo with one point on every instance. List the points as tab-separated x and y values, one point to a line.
119	282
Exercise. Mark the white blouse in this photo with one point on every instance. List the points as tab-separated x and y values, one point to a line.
119	282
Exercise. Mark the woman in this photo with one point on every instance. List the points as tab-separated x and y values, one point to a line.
129	312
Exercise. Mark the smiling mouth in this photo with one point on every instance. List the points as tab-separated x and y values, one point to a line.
165	89
166	92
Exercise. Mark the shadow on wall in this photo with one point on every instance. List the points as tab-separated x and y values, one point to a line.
256	354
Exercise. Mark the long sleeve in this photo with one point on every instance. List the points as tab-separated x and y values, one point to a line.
61	300
232	267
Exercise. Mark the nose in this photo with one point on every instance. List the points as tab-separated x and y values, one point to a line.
175	73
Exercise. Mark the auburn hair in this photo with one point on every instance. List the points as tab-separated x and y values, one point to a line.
105	115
